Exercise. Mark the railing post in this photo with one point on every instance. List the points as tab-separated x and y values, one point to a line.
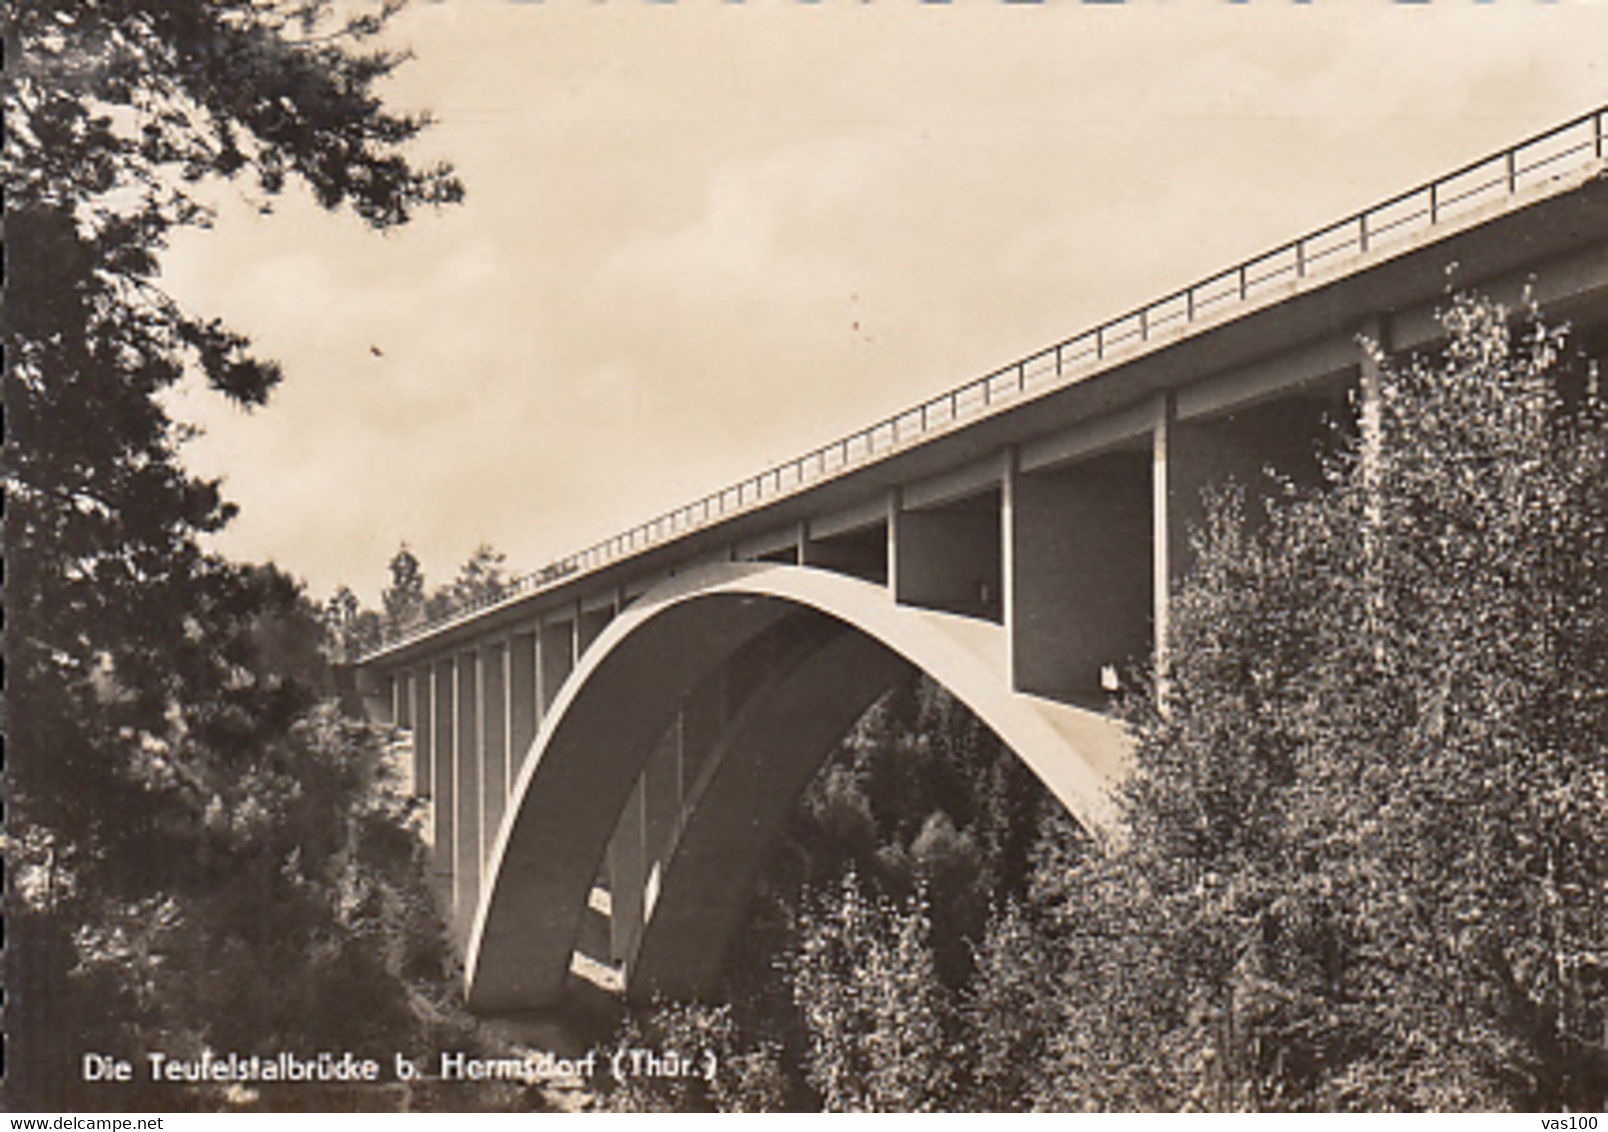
1362	232
1512	171
1243	288
1597	124
1189	305
1099	343
1434	203
1300	259
1022	383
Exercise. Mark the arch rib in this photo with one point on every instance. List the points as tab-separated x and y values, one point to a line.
595	739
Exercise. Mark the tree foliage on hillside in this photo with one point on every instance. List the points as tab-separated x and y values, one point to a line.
167	786
1367	864
407	603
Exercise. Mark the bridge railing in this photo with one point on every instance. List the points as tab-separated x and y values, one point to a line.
1544	157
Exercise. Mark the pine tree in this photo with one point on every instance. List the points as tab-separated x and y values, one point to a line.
148	683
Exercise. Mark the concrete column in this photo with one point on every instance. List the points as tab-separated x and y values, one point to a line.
524	701
402	714
1189	458
804	542
661	812
1370	406
1010	470
444	808
423	741
466	759
511	759
1162	523
590	624
557	659
494	739
628	874
895	520
537	678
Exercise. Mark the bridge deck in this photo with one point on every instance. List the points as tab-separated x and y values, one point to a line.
1546	167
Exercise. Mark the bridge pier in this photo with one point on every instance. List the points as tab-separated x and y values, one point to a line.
423	734
402	718
466	759
443	809
524	699
557	656
494	715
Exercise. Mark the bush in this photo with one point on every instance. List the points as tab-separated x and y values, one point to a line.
1366	855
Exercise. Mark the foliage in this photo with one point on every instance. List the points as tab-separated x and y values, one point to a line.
1366	862
1011	1012
407	603
866	984
161	757
352	629
323	909
480	579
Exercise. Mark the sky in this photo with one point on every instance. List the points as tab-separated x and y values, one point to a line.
703	237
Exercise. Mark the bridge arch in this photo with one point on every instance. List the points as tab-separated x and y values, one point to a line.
601	729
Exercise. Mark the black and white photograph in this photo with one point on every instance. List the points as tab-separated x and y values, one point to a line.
893	556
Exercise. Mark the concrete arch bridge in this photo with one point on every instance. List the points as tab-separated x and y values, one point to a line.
608	749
